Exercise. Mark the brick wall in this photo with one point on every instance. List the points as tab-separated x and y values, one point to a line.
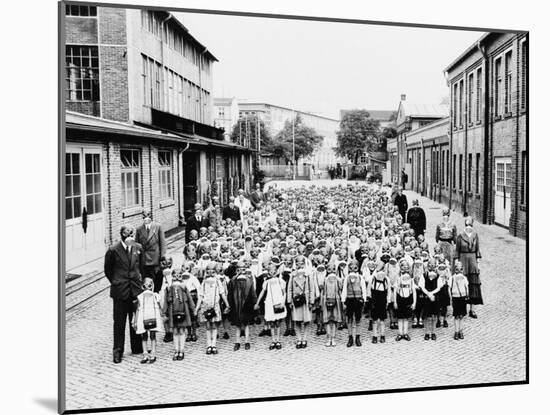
112	25
80	30
113	78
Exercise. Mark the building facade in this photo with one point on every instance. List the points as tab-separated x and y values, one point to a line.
275	116
488	131
226	115
139	126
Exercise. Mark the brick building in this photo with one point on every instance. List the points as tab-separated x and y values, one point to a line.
139	126
488	131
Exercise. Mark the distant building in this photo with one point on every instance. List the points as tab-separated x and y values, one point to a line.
139	128
226	114
275	116
384	117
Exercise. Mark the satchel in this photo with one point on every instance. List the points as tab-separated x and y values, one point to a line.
150	323
330	303
277	308
299	300
209	314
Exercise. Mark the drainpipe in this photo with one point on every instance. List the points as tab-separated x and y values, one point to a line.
422	165
181	219
486	139
439	175
465	119
451	168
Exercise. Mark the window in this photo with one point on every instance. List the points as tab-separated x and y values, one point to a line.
478	158
363	158
471	92
454	171
523	196
523	74
165	174
82	11
448	163
508	83
500	177
73	208
455	105
157	70
478	95
498	87
171	106
469	179
221	112
130	177
82	73
180	95
461	103
146	78
460	172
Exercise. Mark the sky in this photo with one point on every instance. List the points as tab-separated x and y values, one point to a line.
323	67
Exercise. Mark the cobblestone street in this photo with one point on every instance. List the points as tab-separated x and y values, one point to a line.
494	348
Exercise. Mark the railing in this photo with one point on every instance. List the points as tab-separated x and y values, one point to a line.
287	172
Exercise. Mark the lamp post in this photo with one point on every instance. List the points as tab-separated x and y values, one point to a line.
293	148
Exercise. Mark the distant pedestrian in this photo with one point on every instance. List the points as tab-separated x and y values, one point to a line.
417	218
400	201
467	252
404	178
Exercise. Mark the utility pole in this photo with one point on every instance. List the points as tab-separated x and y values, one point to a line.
293	147
258	136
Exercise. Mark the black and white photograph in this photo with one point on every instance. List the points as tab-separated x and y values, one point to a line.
261	207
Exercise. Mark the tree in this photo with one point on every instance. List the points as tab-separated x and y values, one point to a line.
358	133
245	132
306	140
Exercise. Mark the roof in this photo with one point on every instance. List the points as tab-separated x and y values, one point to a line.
190	36
79	121
242	103
223	101
380	115
467	52
411	109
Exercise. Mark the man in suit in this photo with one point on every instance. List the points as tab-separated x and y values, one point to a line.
417	218
231	211
214	212
150	236
257	197
122	268
195	221
401	202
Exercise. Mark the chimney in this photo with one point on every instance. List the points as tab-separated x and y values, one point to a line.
403	97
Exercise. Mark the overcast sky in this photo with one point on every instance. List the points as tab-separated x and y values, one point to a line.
323	67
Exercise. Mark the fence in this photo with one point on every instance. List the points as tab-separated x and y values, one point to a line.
285	172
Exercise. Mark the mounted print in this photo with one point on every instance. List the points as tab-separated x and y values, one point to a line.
259	207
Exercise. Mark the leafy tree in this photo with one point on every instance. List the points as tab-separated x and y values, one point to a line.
306	140
358	133
245	132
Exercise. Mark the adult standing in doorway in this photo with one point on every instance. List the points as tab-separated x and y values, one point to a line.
196	221
150	236
445	236
122	268
213	213
400	201
404	178
417	218
467	252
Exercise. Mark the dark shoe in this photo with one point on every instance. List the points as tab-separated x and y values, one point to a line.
214	350
298	345
382	339
189	338
455	336
438	324
247	346
176	356
272	346
357	341
152	359
293	332
374	340
323	331
318	331
434	336
144	360
262	333
472	314
193	337
406	337
420	325
181	356
226	335
426	336
236	347
370	325
350	341
414	325
399	337
445	324
117	357
278	346
304	344
286	333
208	350
169	337
460	335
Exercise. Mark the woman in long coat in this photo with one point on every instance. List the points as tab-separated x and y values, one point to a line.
467	252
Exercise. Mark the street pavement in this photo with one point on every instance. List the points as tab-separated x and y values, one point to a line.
494	348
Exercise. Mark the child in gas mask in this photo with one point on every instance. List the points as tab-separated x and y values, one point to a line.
147	320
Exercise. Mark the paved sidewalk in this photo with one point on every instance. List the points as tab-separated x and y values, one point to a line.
493	349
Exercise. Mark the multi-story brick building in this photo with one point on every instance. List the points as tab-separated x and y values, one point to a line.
488	130
139	126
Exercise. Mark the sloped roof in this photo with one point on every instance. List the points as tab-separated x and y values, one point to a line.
412	109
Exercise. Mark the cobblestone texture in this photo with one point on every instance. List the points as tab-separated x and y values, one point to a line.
493	349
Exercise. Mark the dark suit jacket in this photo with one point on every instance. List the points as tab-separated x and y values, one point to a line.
122	272
233	214
402	205
192	223
154	244
256	198
417	219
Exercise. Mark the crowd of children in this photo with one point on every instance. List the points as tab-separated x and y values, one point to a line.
323	256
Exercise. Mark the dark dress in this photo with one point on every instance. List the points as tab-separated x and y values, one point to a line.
467	252
404	302
241	298
417	219
430	308
402	205
379	299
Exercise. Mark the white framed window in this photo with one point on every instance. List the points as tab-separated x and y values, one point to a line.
508	82
165	174
471	92
478	94
130	168
455	105
82	73
81	11
523	79
461	103
498	87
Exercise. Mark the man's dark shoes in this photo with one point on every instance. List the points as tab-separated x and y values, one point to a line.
350	341
357	341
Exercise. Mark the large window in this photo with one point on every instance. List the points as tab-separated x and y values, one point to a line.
508	83
460	172
130	177
523	196
454	171
73	208
461	103
93	183
471	92
478	95
523	74
498	87
478	159
469	179
82	11
455	105
82	73
447	173
165	174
